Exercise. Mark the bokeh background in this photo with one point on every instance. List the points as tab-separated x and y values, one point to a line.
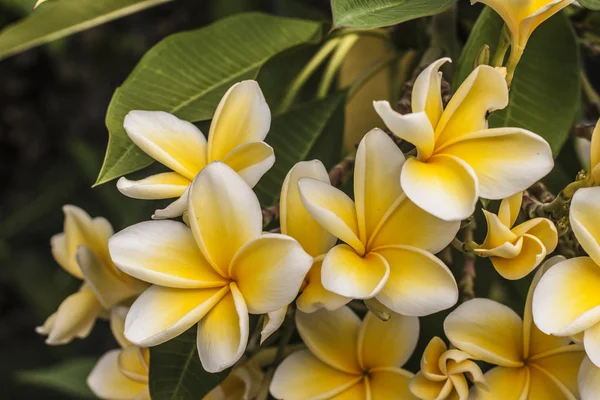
53	101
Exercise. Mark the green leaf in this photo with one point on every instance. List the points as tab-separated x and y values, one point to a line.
187	74
591	4
176	372
56	19
293	136
69	377
545	93
369	14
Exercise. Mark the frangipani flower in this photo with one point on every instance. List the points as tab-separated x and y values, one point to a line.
567	300
458	158
522	17
516	252
347	358
530	364
389	241
240	124
211	275
442	374
82	251
121	373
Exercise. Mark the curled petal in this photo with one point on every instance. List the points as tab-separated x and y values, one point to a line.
242	116
591	341
175	209
160	186
108	382
585	220
173	142
272	323
541	228
504	383
251	161
427	92
531	255
314	296
510	209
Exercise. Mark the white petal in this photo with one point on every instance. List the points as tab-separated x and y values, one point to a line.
427	91
589	380
160	186
585	220
251	161
591	341
175	209
272	323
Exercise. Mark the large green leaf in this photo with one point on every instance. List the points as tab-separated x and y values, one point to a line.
55	19
293	136
591	4
545	93
68	377
371	14
176	372
187	74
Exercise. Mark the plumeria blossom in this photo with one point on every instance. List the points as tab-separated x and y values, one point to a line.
458	158
82	251
530	365
348	358
442	374
212	273
121	373
240	124
516	251
388	240
567	300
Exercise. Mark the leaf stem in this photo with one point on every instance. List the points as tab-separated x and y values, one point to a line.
342	50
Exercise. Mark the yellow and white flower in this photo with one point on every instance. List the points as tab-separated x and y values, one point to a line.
347	358
567	300
458	158
82	251
530	365
442	374
516	251
389	241
213	274
240	124
121	373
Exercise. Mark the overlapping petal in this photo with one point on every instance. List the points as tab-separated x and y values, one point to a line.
487	330
162	313
427	92
387	343
504	383
589	380
557	372
173	142
163	253
295	220
314	296
591	341
108	382
585	220
251	161
269	272
419	283
390	383
532	253
223	332
567	309
160	186
242	116
224	214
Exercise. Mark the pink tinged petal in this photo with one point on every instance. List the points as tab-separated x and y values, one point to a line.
391	384
505	160
251	161
510	209
444	186
173	142
302	376
567	301
387	343
162	313
350	275
242	116
419	283
585	220
160	186
108	382
589	380
314	296
591	341
272	323
531	255
269	272
74	318
332	209
175	209
408	225
414	128
332	336
223	332
224	214
487	330
483	91
163	253
376	180
295	219
108	284
504	383
427	92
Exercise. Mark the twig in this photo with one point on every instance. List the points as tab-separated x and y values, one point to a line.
467	282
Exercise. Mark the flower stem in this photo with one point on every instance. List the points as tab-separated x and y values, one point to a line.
467	282
342	50
503	45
